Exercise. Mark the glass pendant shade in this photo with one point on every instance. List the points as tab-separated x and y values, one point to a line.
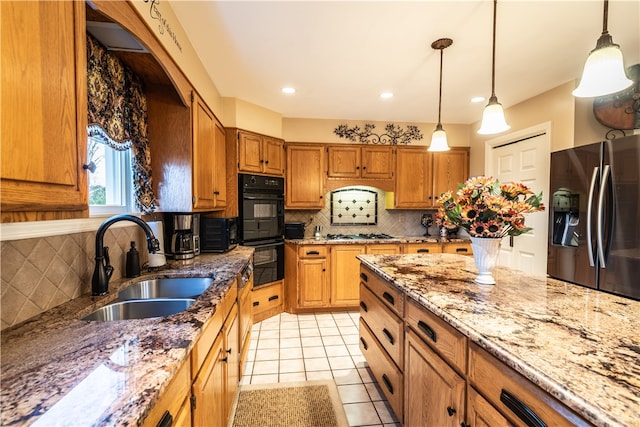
439	140
493	118
603	73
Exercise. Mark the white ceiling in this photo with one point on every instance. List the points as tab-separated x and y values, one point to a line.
340	55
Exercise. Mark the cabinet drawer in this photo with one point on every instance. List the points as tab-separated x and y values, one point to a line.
422	248
390	296
389	377
384	324
267	297
515	396
312	251
442	337
457	248
172	398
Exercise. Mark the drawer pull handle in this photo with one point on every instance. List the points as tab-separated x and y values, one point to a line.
387	383
521	410
423	251
256	303
364	277
273	297
462	250
364	343
450	411
388	335
390	299
363	306
313	253
427	330
166	420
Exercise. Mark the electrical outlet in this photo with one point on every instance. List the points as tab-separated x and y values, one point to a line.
401	218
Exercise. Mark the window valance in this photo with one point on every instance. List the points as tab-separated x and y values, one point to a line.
118	115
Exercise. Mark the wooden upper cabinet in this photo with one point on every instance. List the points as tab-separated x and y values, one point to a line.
304	184
209	163
351	161
421	176
260	154
43	76
413	178
273	155
449	168
220	172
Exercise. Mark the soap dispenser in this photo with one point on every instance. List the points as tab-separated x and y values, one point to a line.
133	262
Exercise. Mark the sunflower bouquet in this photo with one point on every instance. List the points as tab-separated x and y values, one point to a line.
486	208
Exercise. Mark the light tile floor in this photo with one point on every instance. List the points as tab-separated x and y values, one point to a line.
290	347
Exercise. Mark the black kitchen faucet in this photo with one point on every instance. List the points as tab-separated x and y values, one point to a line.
103	269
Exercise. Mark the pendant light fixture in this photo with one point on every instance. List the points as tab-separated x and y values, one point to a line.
439	137
493	116
604	70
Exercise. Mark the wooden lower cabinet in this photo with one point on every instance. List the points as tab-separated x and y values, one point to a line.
209	388
214	387
434	392
446	379
345	271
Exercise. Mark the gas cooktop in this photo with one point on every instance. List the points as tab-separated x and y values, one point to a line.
370	236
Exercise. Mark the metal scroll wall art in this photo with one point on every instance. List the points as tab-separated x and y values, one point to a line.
620	111
393	134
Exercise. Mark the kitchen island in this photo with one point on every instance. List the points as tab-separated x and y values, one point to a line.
60	370
580	346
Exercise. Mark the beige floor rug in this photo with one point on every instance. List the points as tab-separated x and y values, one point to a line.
300	404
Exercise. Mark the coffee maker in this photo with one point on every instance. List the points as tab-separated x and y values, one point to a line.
182	239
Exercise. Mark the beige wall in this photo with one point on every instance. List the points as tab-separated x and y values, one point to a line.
165	26
248	116
321	130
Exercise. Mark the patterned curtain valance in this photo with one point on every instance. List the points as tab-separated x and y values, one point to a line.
118	115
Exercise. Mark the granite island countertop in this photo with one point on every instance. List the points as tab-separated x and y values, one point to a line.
60	370
580	345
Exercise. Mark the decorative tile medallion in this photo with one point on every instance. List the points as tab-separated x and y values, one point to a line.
351	206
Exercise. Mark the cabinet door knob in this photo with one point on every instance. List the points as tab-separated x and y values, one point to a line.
450	411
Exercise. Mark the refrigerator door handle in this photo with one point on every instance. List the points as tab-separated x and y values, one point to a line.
600	220
592	189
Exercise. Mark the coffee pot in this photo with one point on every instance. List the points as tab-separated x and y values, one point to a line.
181	245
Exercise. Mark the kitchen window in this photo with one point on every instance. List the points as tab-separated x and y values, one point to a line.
110	179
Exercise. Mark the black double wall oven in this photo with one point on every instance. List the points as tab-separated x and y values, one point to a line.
261	224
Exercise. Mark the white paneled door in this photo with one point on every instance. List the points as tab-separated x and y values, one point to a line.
524	157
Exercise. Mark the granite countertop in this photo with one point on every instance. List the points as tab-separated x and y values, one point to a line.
402	239
580	345
60	370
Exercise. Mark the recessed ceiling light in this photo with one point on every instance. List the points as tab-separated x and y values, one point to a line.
386	95
288	90
477	99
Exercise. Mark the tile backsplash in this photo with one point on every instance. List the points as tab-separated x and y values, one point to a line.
40	273
390	221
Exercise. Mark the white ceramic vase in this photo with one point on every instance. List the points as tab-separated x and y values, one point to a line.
485	254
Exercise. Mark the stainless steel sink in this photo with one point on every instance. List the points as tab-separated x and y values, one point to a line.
140	309
182	287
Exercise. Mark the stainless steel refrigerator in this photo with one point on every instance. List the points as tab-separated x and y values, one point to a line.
594	217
